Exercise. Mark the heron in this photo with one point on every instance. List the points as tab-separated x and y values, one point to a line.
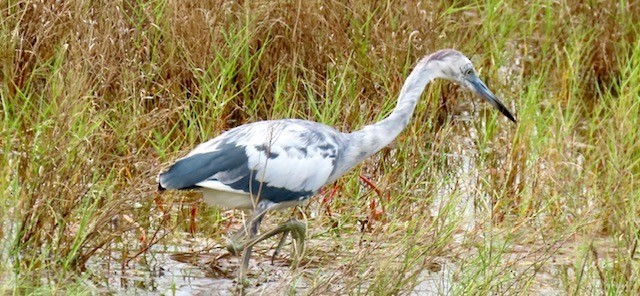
276	164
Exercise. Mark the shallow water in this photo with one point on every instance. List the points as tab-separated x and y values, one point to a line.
172	270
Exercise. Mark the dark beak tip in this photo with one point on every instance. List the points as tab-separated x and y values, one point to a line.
505	112
480	88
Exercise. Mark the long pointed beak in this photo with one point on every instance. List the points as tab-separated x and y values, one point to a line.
486	94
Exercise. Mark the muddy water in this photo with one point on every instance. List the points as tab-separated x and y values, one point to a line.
173	270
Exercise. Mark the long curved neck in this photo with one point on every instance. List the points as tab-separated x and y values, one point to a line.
372	138
386	130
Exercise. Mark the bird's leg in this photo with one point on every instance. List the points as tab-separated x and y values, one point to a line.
254	224
236	242
248	240
298	232
296	228
285	234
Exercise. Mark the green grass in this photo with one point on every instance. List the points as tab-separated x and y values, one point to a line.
97	98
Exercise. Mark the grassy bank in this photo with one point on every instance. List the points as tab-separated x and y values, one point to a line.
98	97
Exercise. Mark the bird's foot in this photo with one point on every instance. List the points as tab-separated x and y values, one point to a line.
298	230
237	242
235	248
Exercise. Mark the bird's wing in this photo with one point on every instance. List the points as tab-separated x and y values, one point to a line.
281	160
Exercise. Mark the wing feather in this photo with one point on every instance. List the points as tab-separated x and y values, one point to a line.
278	160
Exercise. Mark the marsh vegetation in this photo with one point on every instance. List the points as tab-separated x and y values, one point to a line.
98	96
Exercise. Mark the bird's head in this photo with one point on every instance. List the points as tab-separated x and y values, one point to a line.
452	65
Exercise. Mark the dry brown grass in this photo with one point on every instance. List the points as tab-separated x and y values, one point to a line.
98	96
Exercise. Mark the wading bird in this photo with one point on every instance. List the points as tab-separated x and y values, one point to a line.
275	164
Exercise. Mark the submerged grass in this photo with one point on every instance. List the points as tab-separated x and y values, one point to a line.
97	97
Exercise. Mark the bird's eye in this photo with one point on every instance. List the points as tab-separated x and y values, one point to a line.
468	71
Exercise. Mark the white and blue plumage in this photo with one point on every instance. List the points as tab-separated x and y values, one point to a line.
280	163
276	162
